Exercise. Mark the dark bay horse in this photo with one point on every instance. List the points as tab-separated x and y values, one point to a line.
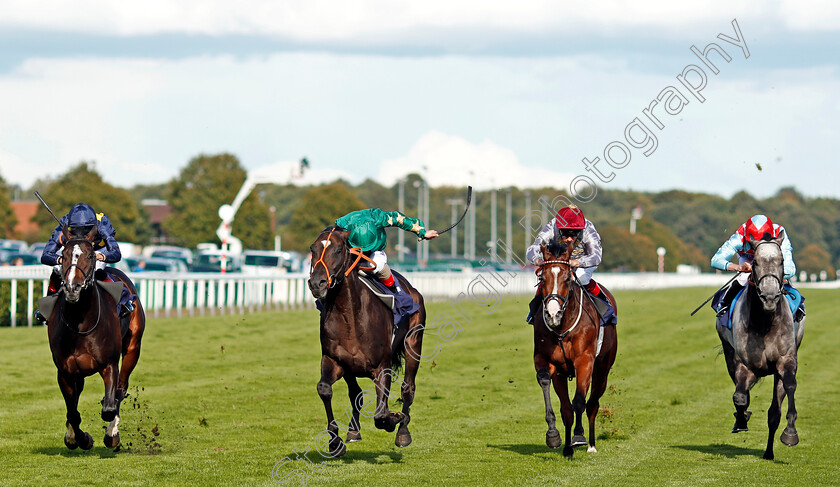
764	341
357	339
85	338
566	335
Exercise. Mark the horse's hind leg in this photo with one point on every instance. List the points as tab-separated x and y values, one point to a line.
789	436
599	386
111	405
583	371
357	402
383	418
331	372
552	436
566	411
744	380
131	349
413	345
71	389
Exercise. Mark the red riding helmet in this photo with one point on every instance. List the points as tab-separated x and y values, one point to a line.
758	225
570	217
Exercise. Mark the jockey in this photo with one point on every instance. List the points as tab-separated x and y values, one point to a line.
570	227
757	227
367	231
83	222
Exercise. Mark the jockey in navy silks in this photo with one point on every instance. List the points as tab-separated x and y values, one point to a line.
570	227
82	221
758	227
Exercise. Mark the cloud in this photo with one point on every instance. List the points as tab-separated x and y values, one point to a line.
383	21
448	160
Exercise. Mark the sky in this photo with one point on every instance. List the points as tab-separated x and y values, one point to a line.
488	93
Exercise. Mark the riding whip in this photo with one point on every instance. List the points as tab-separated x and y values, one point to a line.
469	198
47	207
713	295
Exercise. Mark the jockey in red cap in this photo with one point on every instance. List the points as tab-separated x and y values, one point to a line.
570	227
757	227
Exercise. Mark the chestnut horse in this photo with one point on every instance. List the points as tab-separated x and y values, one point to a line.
566	335
85	338
357	339
764	341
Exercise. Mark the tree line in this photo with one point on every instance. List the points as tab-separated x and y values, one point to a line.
691	226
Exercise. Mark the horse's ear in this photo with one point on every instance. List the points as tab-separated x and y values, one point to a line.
780	238
753	242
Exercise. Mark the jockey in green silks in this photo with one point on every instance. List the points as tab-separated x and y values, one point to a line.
367	231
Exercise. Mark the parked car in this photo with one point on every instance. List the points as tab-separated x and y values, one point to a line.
212	262
180	253
263	262
17	258
17	246
157	264
37	249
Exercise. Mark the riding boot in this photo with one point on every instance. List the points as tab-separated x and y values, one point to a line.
595	290
40	317
532	308
55	283
733	291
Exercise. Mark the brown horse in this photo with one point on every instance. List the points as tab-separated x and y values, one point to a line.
357	339
764	340
566	335
85	338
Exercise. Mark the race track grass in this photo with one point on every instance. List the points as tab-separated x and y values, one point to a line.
233	402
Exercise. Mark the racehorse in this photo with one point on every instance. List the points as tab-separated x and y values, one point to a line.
357	339
763	341
85	338
566	335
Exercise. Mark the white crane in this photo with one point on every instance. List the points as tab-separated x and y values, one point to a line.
279	173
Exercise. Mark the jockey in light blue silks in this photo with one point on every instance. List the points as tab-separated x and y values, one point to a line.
758	227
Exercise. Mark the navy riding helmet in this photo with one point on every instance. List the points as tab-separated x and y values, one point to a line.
81	219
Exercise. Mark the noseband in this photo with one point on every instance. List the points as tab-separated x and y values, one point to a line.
339	276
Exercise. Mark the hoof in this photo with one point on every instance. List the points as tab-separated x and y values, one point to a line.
552	439
789	439
353	436
338	451
87	442
591	449
112	442
568	451
768	455
739	427
578	440
403	438
70	445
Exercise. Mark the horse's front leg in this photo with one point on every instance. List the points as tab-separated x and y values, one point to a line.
583	371
789	436
110	404
383	418
357	402
544	373
562	390
744	380
71	389
331	372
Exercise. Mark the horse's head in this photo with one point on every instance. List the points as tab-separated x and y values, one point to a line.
78	263
329	260
768	270
555	280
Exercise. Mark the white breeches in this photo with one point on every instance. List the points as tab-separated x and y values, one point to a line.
585	275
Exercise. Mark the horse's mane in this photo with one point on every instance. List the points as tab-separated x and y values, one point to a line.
556	247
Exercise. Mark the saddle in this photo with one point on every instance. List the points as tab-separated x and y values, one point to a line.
401	305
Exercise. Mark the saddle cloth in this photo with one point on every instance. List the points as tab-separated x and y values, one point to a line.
400	304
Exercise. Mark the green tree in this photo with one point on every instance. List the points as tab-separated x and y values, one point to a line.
623	251
82	184
318	208
813	259
208	182
8	220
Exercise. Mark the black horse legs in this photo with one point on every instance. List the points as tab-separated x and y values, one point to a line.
357	402
383	418
71	389
331	372
552	436
412	364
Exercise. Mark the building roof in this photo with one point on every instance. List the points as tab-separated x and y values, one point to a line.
24	211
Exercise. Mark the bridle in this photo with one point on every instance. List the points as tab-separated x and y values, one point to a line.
756	280
333	280
88	277
563	301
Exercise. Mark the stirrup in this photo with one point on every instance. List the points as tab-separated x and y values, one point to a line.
722	311
40	317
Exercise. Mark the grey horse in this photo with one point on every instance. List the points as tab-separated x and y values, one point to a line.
764	341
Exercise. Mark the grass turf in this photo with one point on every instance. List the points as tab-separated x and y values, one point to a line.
231	400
